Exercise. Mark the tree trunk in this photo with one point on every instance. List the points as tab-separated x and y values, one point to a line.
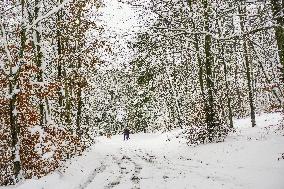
248	71
277	9
175	97
15	128
210	115
15	133
229	99
79	111
78	47
59	51
38	61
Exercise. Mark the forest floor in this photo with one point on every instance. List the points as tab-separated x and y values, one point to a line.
250	158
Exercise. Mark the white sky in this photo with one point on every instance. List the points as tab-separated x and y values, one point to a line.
120	16
120	21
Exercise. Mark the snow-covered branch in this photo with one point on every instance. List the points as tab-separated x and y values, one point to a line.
216	37
4	40
51	12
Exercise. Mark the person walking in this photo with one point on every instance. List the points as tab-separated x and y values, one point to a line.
126	133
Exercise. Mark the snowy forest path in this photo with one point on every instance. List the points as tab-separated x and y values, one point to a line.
121	165
125	164
124	168
165	161
129	163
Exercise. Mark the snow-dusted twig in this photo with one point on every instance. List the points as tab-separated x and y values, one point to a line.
186	31
4	37
53	11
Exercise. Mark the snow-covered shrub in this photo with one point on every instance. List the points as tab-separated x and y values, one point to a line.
45	149
199	134
41	150
280	128
220	132
196	135
5	156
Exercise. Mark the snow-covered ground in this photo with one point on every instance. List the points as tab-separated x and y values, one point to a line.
251	158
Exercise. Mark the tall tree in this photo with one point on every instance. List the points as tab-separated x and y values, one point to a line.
278	11
248	65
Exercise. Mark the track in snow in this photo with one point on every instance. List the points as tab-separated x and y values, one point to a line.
92	176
